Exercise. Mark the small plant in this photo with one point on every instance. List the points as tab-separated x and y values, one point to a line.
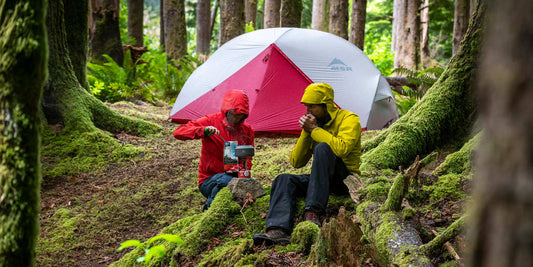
423	80
157	251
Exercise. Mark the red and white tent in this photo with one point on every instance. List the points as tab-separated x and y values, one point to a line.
273	66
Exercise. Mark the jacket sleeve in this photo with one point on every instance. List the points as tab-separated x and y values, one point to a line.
347	136
302	151
192	129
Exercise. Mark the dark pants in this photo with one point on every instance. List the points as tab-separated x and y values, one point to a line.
210	187
327	174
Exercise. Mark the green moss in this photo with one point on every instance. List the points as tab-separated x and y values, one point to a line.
62	236
460	161
227	255
305	235
376	191
447	187
396	194
408	213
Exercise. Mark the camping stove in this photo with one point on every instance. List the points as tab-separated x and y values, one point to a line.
244	153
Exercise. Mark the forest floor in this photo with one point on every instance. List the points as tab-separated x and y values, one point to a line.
85	216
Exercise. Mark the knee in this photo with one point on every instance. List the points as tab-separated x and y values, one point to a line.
322	149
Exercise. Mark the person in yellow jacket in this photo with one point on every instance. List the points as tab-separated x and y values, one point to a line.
332	136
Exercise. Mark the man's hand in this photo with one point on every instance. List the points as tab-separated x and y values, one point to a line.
308	122
211	130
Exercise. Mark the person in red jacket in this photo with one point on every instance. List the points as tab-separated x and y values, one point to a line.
216	130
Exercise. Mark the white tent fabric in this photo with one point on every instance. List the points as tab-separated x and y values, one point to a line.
321	56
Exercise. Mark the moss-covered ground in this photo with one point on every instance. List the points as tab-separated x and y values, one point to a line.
101	189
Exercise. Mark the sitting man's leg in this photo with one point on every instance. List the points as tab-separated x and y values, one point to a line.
210	187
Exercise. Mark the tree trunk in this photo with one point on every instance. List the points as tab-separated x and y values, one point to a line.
425	57
64	100
398	22
175	30
135	21
408	37
162	25
357	29
203	27
104	33
77	33
272	16
338	18
231	20
446	112
22	74
461	15
502	222
291	13
320	16
250	7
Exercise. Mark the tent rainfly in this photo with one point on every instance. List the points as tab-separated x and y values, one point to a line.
274	66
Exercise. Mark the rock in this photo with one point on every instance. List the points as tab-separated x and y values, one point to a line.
240	186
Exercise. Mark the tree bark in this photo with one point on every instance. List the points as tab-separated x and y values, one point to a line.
425	57
135	21
461	15
398	22
64	100
291	13
231	20
272	15
338	18
408	37
22	75
250	7
446	112
203	27
320	16
502	215
77	33
175	30
104	32
162	25
357	29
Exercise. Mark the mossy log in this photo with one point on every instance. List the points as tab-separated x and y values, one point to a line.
447	111
400	187
437	243
397	242
461	161
65	101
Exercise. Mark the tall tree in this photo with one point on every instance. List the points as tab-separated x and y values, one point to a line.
135	21
447	111
291	13
461	15
407	42
175	29
23	53
104	32
399	12
65	101
338	18
231	20
320	17
162	25
250	7
271	14
203	26
502	219
425	58
78	54
357	27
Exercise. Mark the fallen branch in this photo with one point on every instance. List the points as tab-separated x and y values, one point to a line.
448	247
433	246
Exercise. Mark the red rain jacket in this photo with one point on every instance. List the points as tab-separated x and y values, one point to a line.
211	158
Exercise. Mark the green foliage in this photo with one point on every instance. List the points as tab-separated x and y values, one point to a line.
158	251
447	187
378	32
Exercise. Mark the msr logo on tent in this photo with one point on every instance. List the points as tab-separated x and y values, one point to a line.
338	65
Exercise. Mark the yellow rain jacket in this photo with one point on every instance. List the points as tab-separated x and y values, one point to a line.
342	133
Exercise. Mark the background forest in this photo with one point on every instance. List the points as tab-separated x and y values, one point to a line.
91	175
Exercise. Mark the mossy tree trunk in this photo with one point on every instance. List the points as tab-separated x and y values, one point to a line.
175	29
104	31
338	18
446	112
23	56
78	33
503	219
231	20
290	14
65	101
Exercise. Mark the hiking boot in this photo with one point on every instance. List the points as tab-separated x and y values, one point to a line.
272	237
313	217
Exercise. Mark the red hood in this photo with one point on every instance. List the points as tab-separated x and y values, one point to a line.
237	100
